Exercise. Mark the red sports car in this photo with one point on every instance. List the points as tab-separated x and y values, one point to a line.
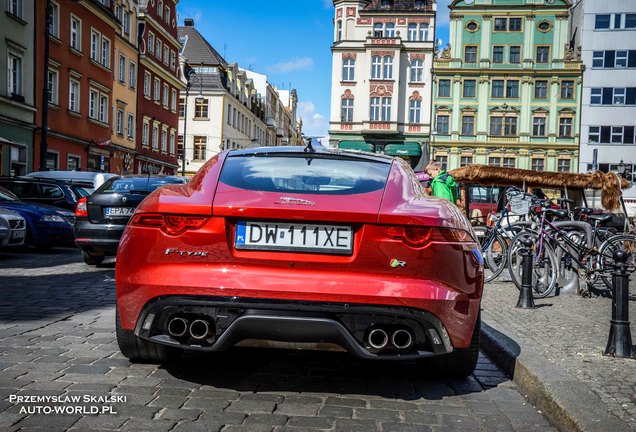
301	245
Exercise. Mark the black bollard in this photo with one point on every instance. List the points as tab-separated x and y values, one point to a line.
526	301
619	343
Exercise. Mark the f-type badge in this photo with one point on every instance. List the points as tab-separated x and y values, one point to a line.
293	201
397	263
185	253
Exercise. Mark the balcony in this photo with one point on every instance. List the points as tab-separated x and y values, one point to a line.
280	132
270	122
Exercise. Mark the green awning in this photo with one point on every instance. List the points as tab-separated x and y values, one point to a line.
356	145
403	149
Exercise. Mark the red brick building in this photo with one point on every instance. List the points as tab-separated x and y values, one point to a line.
80	82
159	86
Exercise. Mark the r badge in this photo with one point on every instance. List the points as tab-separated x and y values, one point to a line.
397	263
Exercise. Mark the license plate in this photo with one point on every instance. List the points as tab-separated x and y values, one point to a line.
333	239
18	234
118	211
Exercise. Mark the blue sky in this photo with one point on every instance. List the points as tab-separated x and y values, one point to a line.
288	40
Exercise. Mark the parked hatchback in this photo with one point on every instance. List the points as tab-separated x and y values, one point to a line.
102	216
12	228
56	193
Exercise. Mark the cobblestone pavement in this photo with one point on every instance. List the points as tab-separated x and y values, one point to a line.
57	339
572	333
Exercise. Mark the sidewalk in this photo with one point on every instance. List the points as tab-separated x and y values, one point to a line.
554	353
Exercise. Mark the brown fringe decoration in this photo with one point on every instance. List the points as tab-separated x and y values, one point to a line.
488	175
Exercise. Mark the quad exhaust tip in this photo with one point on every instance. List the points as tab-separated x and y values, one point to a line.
199	329
177	327
378	338
401	339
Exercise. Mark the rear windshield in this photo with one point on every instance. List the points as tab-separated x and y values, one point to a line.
315	174
136	185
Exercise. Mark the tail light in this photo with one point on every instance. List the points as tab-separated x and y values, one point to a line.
80	208
170	223
420	236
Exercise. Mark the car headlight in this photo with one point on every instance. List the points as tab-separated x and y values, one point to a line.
52	218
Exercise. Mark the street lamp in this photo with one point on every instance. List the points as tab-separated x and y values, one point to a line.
188	72
622	169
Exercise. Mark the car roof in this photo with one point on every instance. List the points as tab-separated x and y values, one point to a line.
317	149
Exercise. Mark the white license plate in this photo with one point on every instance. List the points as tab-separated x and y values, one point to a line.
118	211
18	234
335	239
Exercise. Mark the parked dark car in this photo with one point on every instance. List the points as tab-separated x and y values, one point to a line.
102	216
47	226
56	193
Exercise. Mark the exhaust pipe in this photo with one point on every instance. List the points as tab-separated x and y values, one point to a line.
199	329
177	327
378	338
401	339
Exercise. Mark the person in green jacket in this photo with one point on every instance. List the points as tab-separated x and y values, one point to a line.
443	185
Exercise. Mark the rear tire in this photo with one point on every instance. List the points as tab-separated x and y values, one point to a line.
461	363
139	350
92	259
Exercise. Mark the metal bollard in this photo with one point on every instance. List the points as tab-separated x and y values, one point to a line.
619	343
526	301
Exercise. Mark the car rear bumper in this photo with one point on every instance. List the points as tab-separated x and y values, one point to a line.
100	238
232	320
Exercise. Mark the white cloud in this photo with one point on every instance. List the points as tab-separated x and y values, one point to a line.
443	13
327	3
295	64
314	123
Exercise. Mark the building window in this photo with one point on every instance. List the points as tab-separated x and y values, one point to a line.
180	147
422	32
54	17
147	84
122	69
95	45
14	7
346	110
508	24
132	75
52	86
514	24
376	67
164	140
374	112
131	126
93	96
120	122
199	148
412	32
182	109
494	161
443	123
612	134
444	87
565	127
498	54
472	26
620	60
417	32
386	109
501	24
538	164
389	30
512	89
597	59
602	22
74	96
155	137
171	142
567	89
151	43
173	60
173	100
387	67
514	54
166	54
160	9
468	125
509	162
157	88
158	48
543	54
470	54
72	163
443	160
465	161
541	89
596	95
348	69
497	89
166	95
144	134
126	22
469	88
503	126
417	70
563	165
538	126
103	108
619	96
14	79
378	30
201	108
339	30
415	111
166	15
76	33
105	52
594	135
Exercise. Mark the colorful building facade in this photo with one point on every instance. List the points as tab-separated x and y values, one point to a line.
507	88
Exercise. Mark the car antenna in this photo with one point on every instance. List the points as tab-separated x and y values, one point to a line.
309	148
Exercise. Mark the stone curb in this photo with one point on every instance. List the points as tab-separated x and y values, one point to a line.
568	403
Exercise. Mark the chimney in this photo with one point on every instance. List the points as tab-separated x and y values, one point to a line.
188	22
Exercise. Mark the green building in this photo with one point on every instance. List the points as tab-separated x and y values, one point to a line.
507	88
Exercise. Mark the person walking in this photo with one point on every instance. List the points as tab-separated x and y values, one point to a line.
442	184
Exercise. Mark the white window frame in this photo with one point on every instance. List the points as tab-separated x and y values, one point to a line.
386	109
96	45
374	109
376	67
173	100
417	71
132	74
75	39
412	32
103	108
166	54
155	137
157	90
346	110
74	96
122	68
93	101
618	96
158	48
147	84
14	7
172	143
130	126
52	84
144	133
387	67
348	69
415	111
164	140
160	9
105	59
14	73
166	95
120	122
151	42
54	30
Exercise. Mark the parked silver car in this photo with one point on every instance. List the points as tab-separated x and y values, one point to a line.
12	228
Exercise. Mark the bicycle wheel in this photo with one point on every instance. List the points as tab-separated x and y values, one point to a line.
545	267
624	242
494	250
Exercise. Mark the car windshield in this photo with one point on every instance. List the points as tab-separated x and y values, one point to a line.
82	191
315	174
136	184
5	195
